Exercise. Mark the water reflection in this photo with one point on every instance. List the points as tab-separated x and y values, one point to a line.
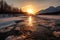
30	23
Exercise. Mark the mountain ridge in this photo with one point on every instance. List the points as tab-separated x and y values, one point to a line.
50	10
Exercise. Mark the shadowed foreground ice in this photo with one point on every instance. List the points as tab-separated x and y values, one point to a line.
18	31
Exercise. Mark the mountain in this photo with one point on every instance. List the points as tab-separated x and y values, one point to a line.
58	8
50	10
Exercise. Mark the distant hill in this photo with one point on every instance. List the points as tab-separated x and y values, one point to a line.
50	11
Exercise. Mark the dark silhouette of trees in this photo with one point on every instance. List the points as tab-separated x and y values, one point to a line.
7	9
4	7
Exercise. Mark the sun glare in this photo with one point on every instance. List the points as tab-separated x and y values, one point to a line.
30	11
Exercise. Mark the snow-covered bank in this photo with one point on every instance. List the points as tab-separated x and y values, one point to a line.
50	16
12	18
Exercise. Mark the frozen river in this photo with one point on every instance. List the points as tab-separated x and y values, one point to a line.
41	23
49	17
24	17
9	21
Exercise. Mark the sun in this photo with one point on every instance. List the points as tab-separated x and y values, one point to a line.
30	11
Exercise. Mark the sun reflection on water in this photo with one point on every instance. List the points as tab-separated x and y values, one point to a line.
30	21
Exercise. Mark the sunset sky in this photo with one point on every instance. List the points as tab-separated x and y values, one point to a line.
35	4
